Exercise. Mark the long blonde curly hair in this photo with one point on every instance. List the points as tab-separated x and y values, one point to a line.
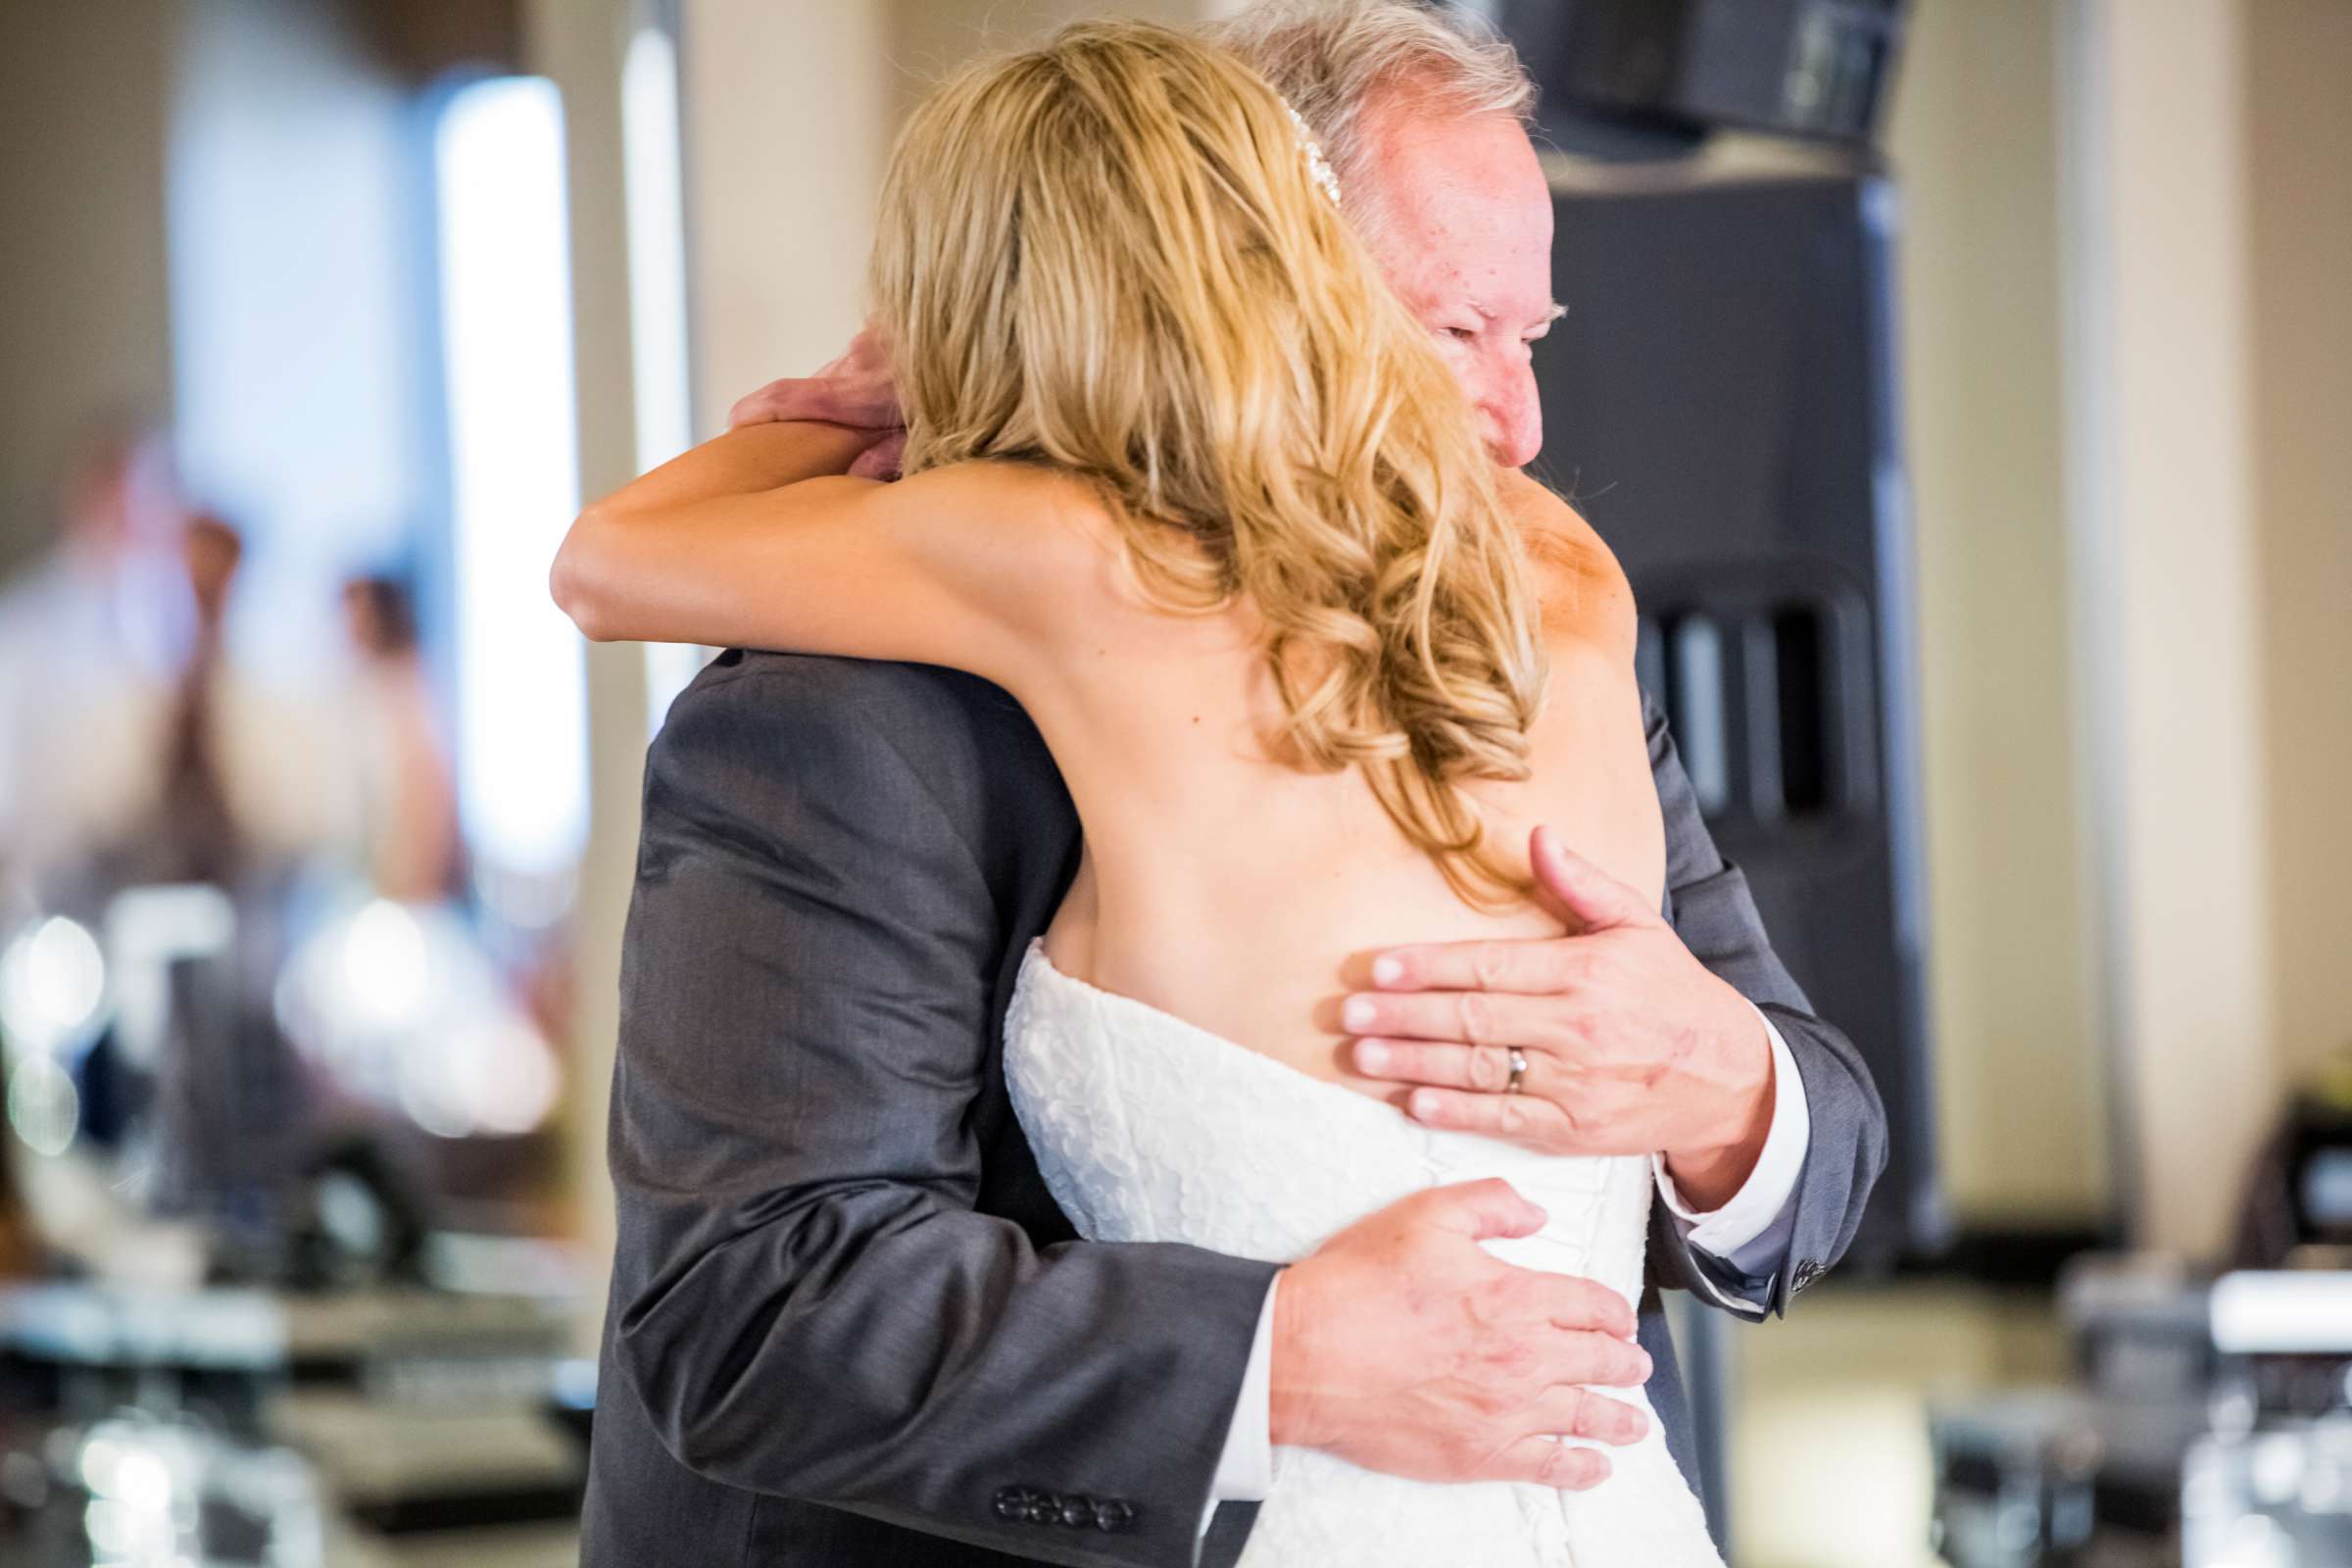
1110	256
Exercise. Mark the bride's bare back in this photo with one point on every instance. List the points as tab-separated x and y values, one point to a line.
1244	896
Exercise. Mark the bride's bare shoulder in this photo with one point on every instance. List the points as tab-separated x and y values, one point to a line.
1048	527
1585	593
1018	497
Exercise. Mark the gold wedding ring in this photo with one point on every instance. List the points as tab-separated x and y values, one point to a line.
1518	1071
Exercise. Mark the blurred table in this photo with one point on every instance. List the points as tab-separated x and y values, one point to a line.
248	1427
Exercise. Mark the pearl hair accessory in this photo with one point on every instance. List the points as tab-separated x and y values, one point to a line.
1316	164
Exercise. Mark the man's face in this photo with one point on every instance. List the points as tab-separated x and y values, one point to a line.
1460	223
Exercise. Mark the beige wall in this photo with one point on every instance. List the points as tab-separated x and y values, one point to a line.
928	36
2297	74
85	316
2201	334
789	113
2128	364
1830	1462
2168	535
1974	145
787	108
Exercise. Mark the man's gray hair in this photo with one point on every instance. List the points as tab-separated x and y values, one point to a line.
1329	58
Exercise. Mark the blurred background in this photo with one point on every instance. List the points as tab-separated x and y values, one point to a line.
1965	384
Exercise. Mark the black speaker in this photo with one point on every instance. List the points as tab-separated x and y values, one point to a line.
1720	401
1815	68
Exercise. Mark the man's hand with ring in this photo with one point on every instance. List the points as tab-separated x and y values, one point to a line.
1625	1043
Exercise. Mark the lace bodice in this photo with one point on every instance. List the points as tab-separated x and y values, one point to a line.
1150	1129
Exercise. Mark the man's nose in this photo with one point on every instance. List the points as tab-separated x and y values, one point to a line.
1511	415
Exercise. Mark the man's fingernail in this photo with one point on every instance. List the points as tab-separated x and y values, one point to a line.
1357	1012
1386	970
1371	1056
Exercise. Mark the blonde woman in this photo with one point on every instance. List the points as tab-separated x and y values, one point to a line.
1184	479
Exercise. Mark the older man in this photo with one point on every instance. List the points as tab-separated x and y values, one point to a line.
849	1326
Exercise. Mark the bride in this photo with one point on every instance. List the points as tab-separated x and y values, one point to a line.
1185	479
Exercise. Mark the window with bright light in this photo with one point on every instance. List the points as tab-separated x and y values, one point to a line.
649	113
505	297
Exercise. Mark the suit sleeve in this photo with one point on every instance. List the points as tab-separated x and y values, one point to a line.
807	1301
1716	917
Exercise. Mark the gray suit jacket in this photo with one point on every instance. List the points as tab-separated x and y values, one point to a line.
848	1325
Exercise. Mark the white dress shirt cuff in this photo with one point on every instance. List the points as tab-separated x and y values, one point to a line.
1246	1469
1763	1198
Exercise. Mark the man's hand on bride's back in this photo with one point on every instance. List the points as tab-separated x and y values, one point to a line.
1403	1345
856	390
1629	1045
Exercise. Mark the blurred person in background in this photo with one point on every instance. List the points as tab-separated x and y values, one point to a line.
133	748
91	638
413	852
849	1324
195	830
228	778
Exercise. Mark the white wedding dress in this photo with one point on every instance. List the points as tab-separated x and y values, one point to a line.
1148	1129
